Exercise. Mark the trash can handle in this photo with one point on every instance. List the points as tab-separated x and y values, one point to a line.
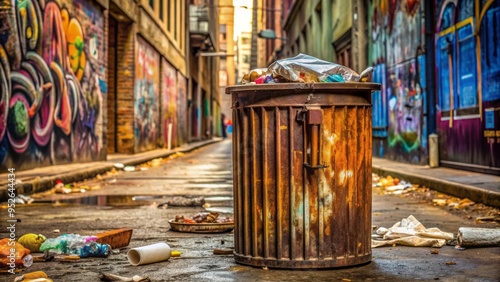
312	121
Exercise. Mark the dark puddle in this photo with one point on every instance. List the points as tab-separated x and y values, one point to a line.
132	200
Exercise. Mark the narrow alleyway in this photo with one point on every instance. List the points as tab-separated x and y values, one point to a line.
136	200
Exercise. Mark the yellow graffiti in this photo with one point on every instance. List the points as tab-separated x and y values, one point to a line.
74	38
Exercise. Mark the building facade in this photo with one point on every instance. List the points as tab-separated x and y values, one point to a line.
437	62
83	79
438	76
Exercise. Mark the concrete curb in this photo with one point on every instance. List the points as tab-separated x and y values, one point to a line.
476	194
48	182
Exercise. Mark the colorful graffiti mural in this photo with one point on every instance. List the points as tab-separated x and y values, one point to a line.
182	109
169	104
51	83
395	51
468	75
146	97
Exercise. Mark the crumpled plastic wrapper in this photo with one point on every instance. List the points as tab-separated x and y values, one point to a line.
306	69
410	232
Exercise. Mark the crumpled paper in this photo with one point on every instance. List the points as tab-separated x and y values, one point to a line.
410	232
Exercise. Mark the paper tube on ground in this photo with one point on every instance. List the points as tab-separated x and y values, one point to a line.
149	254
478	237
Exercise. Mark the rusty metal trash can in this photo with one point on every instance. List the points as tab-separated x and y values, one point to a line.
302	174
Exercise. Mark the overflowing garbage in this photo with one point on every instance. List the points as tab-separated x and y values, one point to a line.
304	69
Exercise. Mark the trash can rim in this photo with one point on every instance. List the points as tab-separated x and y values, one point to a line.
323	86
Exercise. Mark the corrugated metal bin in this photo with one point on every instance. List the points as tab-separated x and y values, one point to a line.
302	174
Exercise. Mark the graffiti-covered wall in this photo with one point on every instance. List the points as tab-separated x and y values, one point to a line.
169	104
395	52
182	111
52	82
467	34
146	96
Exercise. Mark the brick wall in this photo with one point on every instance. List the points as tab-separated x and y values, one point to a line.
125	87
110	137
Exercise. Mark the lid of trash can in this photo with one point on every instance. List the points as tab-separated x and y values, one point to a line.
323	87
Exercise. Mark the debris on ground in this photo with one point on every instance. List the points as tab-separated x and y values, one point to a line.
117	238
119	165
223	251
410	232
149	254
113	277
22	255
465	208
75	244
38	276
23	199
182	201
203	217
32	241
478	237
129	168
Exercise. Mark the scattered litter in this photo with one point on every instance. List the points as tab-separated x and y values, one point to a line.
392	185
31	276
149	254
485	218
74	244
223	251
117	238
478	237
23	199
410	232
156	162
22	254
265	268
112	180
434	251
450	263
113	277
119	165
143	168
202	223
56	231
60	188
129	168
185	201
32	241
439	202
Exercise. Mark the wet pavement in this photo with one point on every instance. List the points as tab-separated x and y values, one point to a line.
134	200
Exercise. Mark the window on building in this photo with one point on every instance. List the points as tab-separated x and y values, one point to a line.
161	10
152	4
342	48
457	66
176	14
169	15
246	59
222	32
